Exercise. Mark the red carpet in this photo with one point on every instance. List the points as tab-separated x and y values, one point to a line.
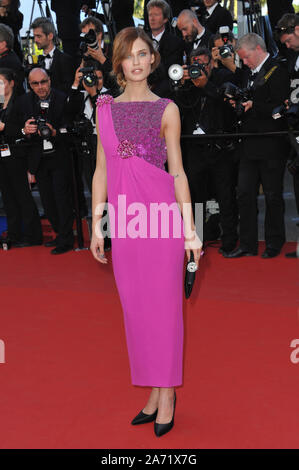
66	381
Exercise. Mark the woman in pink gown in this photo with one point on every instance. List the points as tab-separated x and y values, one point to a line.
137	133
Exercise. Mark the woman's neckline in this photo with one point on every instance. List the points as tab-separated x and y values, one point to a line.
143	101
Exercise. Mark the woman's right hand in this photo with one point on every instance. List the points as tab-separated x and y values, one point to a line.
97	249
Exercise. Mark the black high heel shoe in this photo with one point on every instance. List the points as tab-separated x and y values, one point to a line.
143	418
161	429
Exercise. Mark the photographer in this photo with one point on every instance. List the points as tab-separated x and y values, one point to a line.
93	49
84	101
96	48
222	48
11	16
194	33
23	221
214	16
209	166
58	65
288	33
170	47
38	116
262	159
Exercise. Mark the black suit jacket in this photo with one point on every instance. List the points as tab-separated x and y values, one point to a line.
62	71
25	107
220	17
10	60
171	50
266	95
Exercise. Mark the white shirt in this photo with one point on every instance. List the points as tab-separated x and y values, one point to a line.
211	9
158	37
198	39
258	68
48	62
88	109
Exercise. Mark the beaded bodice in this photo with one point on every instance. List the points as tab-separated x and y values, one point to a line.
137	125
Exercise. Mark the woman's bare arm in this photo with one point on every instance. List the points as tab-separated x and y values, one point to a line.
99	197
171	130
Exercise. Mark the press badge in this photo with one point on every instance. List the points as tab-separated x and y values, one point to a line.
47	145
5	150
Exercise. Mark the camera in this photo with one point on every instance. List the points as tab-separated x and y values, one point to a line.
81	130
289	110
44	130
89	77
40	121
239	95
195	70
226	51
82	127
88	40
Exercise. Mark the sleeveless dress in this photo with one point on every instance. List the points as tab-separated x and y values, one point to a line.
148	270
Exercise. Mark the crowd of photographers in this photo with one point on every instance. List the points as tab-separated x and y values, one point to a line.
221	85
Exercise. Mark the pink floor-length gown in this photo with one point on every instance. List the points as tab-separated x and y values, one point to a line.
148	271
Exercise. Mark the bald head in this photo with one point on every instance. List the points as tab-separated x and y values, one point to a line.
36	72
40	83
189	25
188	14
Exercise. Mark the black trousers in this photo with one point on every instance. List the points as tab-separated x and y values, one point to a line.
211	177
69	32
270	174
54	184
23	220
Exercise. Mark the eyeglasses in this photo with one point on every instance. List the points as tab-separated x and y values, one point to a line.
41	82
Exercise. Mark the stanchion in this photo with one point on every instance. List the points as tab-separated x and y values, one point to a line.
75	175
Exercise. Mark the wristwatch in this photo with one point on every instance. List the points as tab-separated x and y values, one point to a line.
23	131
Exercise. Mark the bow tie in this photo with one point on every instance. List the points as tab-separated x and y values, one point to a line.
41	58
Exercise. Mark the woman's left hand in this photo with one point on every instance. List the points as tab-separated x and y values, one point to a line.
2	126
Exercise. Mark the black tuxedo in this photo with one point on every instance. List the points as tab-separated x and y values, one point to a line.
202	42
62	70
52	169
171	49
220	17
262	160
265	96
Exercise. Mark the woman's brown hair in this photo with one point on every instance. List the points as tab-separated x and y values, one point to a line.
122	46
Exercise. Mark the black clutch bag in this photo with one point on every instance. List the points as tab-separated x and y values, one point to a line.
190	275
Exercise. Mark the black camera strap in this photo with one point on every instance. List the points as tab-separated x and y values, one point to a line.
262	77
